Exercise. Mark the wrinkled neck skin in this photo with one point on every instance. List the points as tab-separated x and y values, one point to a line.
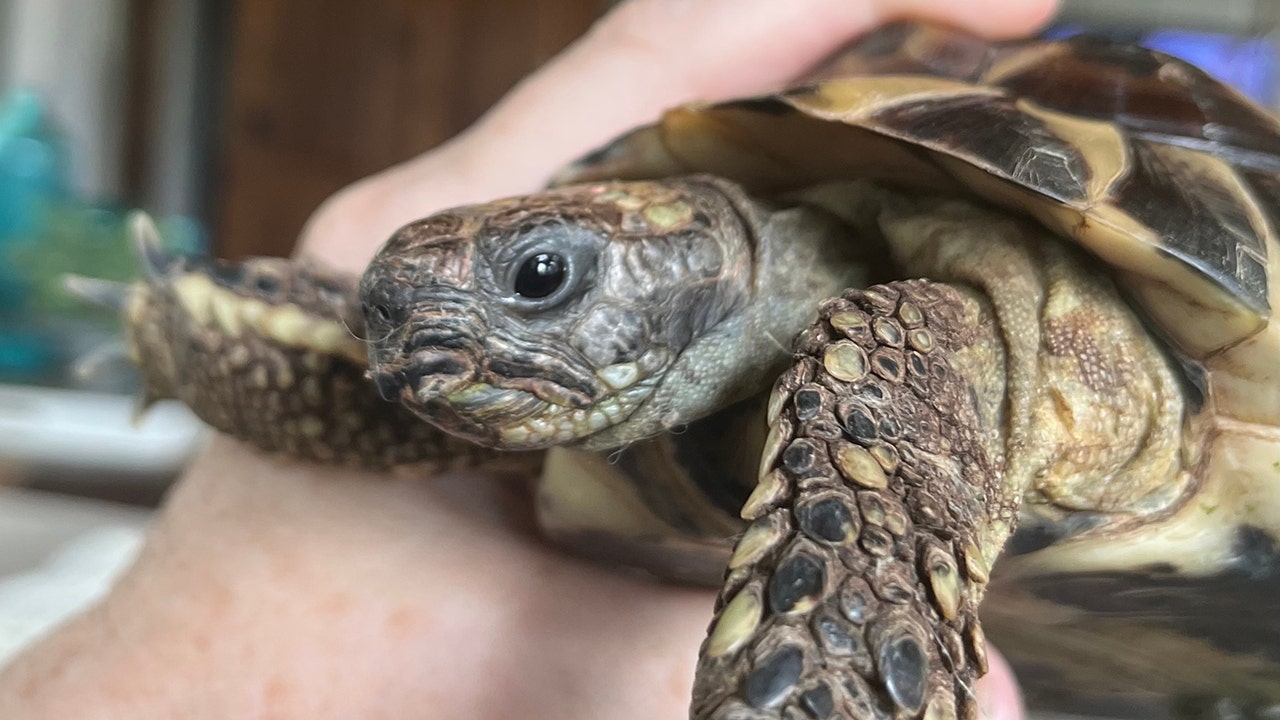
799	257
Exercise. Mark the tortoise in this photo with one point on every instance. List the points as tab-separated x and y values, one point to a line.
1035	371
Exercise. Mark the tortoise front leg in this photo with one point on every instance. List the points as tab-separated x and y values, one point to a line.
272	352
854	591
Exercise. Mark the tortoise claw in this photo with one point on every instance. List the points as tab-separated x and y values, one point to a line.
157	264
156	261
101	358
108	294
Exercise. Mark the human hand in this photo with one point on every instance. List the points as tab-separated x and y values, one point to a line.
275	589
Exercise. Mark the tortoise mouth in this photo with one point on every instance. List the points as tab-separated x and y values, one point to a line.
515	419
501	389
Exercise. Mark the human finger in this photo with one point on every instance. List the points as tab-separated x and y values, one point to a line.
997	691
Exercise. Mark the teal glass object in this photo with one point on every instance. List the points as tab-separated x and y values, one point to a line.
33	164
33	177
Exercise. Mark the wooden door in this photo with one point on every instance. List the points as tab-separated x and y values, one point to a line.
323	92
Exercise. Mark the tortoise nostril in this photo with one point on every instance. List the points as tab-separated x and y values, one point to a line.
439	372
438	364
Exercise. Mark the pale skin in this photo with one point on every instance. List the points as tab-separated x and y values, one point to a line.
274	589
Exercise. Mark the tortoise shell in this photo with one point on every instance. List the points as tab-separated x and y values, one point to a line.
1164	174
1158	169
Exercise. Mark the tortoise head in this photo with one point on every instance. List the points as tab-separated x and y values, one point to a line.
592	315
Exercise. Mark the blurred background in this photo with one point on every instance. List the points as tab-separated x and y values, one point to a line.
230	120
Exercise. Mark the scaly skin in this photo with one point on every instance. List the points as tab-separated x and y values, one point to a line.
915	418
272	352
661	280
854	591
918	421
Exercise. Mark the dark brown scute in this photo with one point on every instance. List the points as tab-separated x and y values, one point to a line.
1033	536
602	154
1257	555
774	677
1173	115
1201	222
1151	95
766	105
991	132
1125	624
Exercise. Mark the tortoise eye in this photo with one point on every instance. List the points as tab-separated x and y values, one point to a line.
541	275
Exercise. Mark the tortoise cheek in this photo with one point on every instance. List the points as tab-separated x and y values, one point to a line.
611	334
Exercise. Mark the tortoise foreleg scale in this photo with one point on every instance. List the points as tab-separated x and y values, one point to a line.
854	591
271	352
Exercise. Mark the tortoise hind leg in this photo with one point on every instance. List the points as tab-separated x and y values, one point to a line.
854	591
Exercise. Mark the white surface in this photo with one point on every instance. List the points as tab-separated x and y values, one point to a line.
57	555
94	431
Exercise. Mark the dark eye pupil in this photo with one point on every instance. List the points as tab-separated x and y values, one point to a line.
540	276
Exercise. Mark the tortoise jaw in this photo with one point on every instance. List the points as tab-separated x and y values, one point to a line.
496	392
512	418
488	405
475	410
486	387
